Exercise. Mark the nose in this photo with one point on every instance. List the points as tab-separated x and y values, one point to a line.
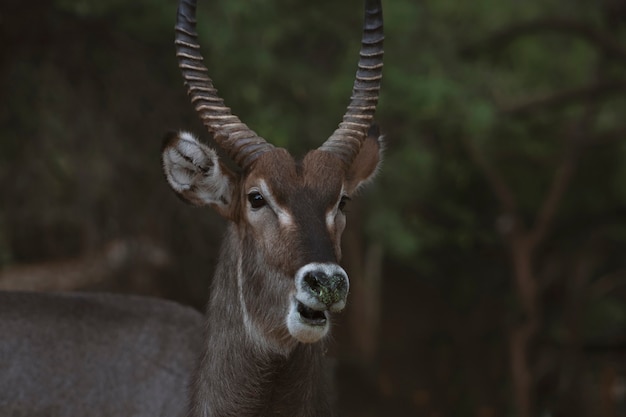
328	289
325	285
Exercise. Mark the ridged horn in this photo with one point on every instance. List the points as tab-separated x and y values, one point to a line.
346	141
241	143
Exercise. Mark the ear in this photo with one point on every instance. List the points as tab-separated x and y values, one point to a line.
195	173
367	162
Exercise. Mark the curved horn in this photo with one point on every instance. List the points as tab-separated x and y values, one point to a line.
241	143
346	141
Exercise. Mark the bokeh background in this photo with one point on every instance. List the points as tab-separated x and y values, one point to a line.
488	261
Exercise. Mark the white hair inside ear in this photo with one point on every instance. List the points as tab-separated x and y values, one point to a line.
193	170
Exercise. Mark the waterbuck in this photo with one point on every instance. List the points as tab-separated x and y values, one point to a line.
276	284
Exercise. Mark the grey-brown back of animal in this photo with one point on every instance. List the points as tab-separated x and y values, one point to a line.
95	355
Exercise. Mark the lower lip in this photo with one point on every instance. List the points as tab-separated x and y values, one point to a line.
312	321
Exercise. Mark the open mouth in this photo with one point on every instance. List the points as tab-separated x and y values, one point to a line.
310	316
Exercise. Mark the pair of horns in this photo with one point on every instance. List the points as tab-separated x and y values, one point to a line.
242	144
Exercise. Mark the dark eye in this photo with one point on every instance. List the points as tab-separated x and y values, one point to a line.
342	203
256	200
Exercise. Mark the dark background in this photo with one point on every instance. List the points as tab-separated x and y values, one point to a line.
488	261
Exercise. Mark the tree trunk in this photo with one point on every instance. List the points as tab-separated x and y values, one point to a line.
364	264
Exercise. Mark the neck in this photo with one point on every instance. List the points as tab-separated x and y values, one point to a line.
238	376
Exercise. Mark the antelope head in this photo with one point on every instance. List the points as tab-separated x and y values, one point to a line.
286	215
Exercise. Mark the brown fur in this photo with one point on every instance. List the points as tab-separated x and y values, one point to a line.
252	365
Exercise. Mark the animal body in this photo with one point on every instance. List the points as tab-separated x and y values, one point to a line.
276	286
